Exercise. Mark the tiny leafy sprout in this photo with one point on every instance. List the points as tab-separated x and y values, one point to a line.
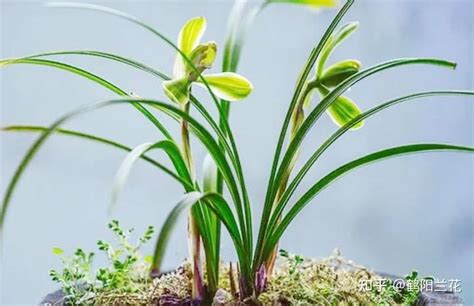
412	276
54	275
58	251
200	57
147	235
115	227
125	271
294	261
75	274
298	259
284	253
103	246
148	259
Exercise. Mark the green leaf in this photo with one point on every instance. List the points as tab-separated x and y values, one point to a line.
177	90
328	100
217	204
92	77
188	39
226	129
104	55
148	259
234	156
225	125
213	225
315	114
204	136
295	143
58	251
209	170
229	85
45	133
93	138
301	82
338	72
339	172
144	68
336	135
239	22
153	72
168	146
66	67
309	3
133	19
164	235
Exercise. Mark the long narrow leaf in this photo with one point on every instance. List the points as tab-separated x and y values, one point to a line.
332	96
236	161
100	54
171	149
91	77
186	202
339	172
133	19
284	129
202	110
210	185
93	138
316	113
307	166
216	203
199	130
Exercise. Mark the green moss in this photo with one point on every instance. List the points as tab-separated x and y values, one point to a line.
331	281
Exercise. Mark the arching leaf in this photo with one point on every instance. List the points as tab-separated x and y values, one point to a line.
171	149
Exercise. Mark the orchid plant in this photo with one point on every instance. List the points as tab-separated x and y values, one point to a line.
205	201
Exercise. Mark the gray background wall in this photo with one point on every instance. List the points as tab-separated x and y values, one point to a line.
411	212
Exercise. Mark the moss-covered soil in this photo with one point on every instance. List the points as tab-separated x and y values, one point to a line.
295	281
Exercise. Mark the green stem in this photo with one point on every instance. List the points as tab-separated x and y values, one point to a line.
194	238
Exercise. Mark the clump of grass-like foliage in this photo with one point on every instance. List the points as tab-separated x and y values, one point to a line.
220	198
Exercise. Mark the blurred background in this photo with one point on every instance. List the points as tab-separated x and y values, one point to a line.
414	212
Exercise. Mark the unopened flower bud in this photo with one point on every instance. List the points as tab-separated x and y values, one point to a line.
338	72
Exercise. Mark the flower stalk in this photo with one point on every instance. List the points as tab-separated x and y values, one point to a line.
194	238
189	67
341	112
